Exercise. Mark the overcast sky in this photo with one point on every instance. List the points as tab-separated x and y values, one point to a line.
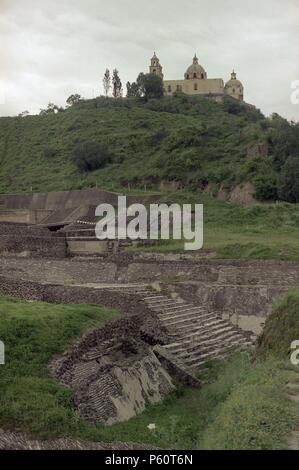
50	49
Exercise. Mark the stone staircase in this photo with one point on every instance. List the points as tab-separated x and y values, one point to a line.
196	334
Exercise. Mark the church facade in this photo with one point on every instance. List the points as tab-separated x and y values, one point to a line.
196	82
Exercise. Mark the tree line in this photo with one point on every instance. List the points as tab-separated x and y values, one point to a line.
147	86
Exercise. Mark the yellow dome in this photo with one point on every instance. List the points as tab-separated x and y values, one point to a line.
233	82
234	88
195	70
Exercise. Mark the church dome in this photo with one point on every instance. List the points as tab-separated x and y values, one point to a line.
195	70
234	87
233	81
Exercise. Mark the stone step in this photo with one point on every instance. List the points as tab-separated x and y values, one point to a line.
154	301
215	334
180	306
189	319
155	297
182	310
224	337
198	323
191	338
164	304
201	331
198	362
189	347
167	317
200	365
234	346
175	307
222	343
209	326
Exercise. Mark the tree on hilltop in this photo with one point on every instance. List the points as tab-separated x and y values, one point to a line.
117	90
51	109
23	114
107	82
133	90
73	99
147	85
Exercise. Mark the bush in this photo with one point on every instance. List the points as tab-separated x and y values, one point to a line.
283	138
90	156
281	327
288	187
50	152
266	187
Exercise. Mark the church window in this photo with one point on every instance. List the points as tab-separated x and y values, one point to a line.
169	89
202	75
194	75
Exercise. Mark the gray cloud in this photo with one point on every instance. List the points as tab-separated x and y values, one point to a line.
52	48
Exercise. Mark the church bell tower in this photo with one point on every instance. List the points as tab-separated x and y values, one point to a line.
156	67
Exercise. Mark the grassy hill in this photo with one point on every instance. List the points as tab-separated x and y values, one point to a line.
191	141
187	139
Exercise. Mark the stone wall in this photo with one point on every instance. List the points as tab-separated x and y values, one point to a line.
53	200
23	216
18	441
143	319
31	242
242	291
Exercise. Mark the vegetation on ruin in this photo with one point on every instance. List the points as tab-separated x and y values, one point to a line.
241	406
281	328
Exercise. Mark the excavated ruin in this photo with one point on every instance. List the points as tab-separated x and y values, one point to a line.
113	371
177	315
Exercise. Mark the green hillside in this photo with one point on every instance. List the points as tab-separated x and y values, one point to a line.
188	139
133	144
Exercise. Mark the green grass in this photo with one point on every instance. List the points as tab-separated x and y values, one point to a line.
281	328
232	231
257	415
189	418
33	332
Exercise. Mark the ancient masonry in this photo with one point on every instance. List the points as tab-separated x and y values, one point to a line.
110	391
196	334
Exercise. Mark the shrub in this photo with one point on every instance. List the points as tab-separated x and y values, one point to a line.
288	186
266	187
90	156
50	152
